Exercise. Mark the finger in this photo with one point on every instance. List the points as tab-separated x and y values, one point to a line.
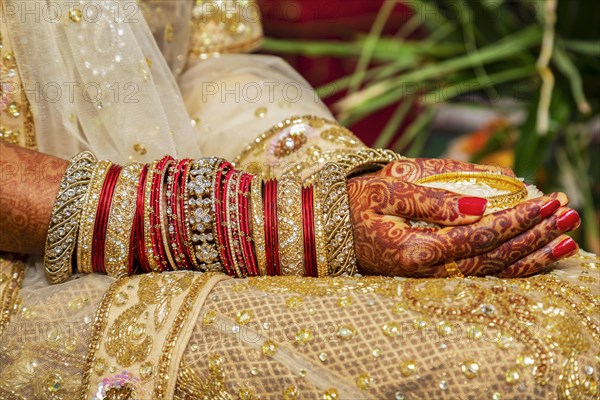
429	247
413	169
392	196
560	196
536	262
564	220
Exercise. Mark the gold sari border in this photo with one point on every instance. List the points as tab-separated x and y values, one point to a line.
11	278
140	332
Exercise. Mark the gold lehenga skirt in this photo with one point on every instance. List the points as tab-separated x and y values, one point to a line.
188	335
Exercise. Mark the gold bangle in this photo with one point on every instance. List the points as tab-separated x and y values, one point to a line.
152	262
88	217
320	244
120	221
516	188
258	224
289	224
333	196
64	223
366	159
452	270
357	161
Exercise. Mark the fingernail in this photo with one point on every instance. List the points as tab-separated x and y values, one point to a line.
568	220
564	248
549	208
472	205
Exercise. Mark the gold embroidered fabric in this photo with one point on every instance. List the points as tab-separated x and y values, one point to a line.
11	277
140	332
298	145
305	338
229	26
16	119
376	338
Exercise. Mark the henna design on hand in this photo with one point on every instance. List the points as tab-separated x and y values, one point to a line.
386	244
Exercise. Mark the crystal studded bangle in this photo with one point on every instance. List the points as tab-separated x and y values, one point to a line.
258	224
200	213
289	223
65	219
333	197
120	222
88	217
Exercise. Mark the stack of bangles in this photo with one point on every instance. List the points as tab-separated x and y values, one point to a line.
201	215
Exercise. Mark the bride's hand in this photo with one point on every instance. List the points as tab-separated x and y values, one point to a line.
516	242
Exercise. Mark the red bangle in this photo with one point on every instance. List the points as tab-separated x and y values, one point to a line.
174	224
310	253
245	231
271	235
156	192
137	238
220	217
99	239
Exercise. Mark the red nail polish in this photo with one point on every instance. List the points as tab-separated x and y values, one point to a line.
564	248
472	205
568	220
549	208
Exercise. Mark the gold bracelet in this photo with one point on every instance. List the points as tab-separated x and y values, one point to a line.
64	223
289	224
320	243
516	188
120	221
88	217
152	262
258	224
366	159
333	195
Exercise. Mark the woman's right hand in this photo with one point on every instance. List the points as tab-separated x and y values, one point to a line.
515	242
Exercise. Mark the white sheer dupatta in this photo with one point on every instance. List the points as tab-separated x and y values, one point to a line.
97	80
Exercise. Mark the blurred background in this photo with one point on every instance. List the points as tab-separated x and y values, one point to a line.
503	82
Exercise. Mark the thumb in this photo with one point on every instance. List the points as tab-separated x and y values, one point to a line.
439	206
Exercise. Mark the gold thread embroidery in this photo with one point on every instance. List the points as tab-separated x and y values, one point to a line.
10	284
178	323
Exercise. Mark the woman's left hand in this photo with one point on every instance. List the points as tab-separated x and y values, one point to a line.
520	241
